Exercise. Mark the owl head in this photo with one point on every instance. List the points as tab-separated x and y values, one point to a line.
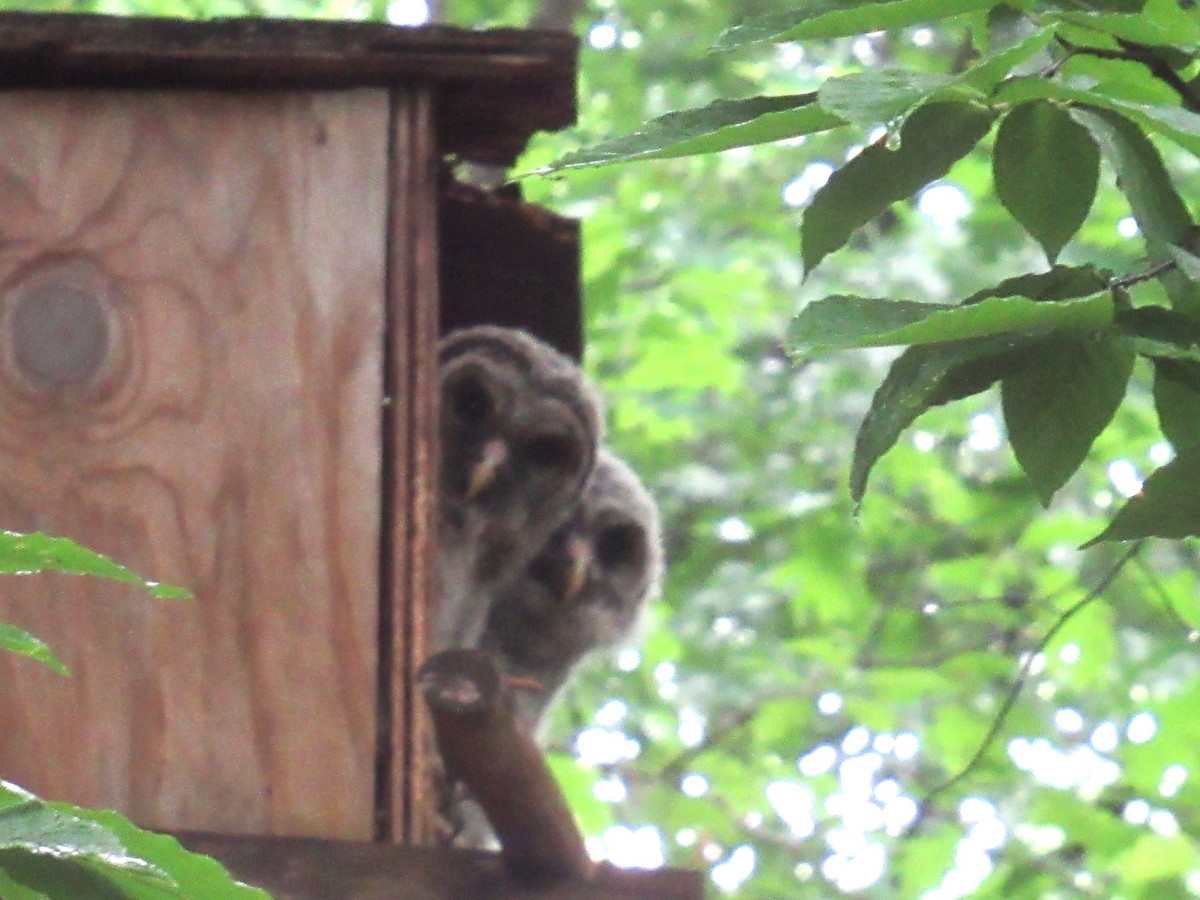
519	431
588	584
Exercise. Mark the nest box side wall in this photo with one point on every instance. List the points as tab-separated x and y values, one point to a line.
198	399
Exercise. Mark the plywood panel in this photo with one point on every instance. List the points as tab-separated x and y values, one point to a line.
226	253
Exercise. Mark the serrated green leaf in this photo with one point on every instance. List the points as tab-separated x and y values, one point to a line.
1121	79
64	856
841	18
1046	168
24	554
924	377
17	640
935	137
1060	283
1159	333
1167	507
65	853
878	96
1159	23
1056	405
1177	401
196	874
1141	175
843	322
721	125
1180	125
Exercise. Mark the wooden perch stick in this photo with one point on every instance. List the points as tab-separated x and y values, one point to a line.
503	769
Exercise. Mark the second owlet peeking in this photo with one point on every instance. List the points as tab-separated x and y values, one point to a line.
519	427
584	590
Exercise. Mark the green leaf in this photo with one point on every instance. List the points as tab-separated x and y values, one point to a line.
1055	406
1121	79
1141	175
841	18
1186	262
1159	333
64	856
843	322
196	874
1167	507
24	554
924	377
1046	167
1178	124
1060	283
721	125
996	66
63	851
1177	401
878	96
1154	857
934	138
1160	23
21	642
10	890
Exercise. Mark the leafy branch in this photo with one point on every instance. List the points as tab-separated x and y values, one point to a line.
1023	675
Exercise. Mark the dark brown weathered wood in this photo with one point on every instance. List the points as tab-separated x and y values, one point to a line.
404	806
504	262
305	869
493	88
501	767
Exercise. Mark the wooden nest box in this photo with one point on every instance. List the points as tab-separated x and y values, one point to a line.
226	251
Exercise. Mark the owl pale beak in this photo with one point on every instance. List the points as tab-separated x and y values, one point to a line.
579	552
484	473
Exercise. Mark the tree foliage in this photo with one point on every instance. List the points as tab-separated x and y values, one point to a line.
927	689
1063	370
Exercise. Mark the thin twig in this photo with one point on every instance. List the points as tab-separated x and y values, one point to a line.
675	767
1153	272
1135	53
1018	684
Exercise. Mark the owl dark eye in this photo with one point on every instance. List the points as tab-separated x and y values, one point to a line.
471	401
550	451
544	569
620	545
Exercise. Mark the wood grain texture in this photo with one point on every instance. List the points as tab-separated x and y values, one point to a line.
229	443
408	804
